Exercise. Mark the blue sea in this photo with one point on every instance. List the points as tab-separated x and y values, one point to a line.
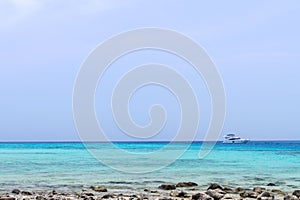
70	166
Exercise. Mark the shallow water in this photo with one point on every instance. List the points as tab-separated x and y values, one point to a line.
69	166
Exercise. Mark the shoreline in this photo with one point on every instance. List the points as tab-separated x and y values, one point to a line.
179	191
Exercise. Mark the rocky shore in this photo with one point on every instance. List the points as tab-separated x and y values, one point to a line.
179	191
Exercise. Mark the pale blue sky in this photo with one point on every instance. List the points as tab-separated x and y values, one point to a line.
254	44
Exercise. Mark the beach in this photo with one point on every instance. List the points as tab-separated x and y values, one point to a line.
69	171
182	190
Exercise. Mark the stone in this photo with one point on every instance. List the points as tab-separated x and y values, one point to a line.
201	196
99	188
186	184
107	196
266	196
278	192
16	191
251	194
178	193
271	184
296	193
290	197
238	189
26	193
214	186
216	194
7	198
259	190
228	197
167	187
227	189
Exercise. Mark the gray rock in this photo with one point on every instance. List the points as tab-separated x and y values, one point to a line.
201	196
167	187
266	196
7	198
26	193
107	196
178	193
216	194
290	197
259	190
16	191
214	186
251	194
271	184
297	193
227	189
238	189
228	197
186	184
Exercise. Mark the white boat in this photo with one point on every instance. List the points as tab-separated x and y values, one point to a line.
231	138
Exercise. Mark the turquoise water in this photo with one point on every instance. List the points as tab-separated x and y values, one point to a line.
69	166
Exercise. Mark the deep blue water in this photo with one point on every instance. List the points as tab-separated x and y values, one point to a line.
70	166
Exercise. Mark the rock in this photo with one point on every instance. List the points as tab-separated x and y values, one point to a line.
214	186
278	192
26	193
186	184
16	191
266	196
201	196
99	188
227	189
216	194
258	179
290	197
89	194
178	193
228	197
165	198
40	197
107	196
245	194
259	190
7	198
271	184
296	193
238	189
167	187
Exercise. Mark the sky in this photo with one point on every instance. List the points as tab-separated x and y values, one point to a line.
254	44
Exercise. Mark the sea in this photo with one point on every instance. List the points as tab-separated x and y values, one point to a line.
71	166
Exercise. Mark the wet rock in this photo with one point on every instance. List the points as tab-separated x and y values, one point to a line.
201	196
296	193
216	194
214	186
99	188
259	190
290	197
278	192
165	198
251	194
266	196
16	191
178	193
89	194
271	184
186	184
40	197
26	193
238	189
107	196
227	189
167	187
